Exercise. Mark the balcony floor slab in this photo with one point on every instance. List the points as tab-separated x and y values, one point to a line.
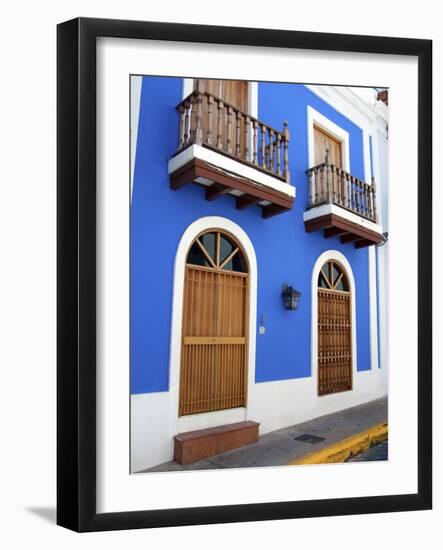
227	176
336	221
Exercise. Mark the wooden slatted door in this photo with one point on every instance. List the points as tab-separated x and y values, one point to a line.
214	350
231	92
334	330
234	92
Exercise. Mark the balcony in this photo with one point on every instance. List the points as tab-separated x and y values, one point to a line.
231	153
342	206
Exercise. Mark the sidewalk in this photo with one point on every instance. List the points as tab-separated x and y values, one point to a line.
281	446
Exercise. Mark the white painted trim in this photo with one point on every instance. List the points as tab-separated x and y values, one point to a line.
380	139
366	156
324	257
200	421
382	112
198	226
252	108
136	90
330	208
188	86
230	165
343	100
317	119
253	100
381	173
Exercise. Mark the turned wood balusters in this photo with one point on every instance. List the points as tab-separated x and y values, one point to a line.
330	184
207	120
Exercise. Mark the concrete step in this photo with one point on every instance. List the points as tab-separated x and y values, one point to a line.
200	444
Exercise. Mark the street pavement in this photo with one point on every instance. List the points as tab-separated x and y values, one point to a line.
377	452
281	446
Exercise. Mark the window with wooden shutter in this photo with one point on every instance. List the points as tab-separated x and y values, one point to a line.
325	142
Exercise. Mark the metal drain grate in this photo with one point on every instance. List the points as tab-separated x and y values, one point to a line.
308	438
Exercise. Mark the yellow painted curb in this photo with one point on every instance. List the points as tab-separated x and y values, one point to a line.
344	449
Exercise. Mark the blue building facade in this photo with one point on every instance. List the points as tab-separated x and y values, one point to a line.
284	253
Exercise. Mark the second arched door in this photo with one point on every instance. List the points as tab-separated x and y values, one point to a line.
334	330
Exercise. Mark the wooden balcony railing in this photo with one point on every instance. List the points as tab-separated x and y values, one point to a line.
330	184
209	121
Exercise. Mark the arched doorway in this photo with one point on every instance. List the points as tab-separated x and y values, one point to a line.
213	372
334	329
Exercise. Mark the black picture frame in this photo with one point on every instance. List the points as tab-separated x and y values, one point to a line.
76	279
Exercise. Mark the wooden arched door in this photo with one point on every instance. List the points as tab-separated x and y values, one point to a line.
334	330
213	373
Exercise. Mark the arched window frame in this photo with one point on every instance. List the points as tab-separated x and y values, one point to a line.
331	281
217	260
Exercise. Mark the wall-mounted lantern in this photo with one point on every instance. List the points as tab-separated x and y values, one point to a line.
290	297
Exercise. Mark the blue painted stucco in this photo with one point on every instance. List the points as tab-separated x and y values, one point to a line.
285	252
